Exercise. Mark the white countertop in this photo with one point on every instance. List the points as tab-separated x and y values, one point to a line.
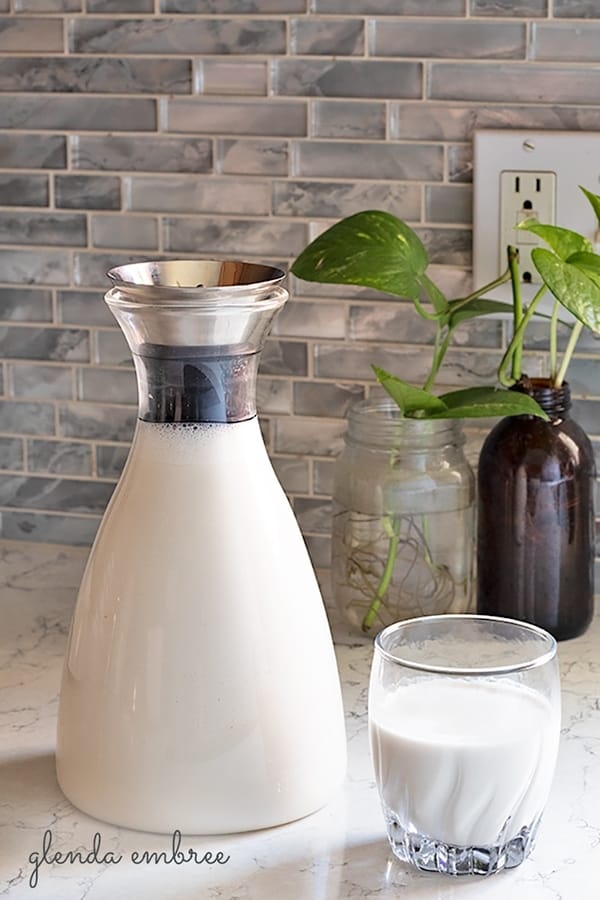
339	852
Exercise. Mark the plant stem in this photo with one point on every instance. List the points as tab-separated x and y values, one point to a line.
554	341
517	338
439	352
513	267
462	301
384	582
575	332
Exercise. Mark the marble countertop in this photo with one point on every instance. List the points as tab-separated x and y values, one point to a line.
339	852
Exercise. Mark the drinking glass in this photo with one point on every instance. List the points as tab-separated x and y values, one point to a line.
464	721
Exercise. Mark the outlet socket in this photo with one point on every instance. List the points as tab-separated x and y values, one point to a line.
572	157
525	194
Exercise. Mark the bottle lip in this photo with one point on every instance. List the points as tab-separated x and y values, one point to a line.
203	283
379	422
553	400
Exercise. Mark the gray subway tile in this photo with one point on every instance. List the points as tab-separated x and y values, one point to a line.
96	75
509	7
87	191
30	35
583	378
460	163
284	358
384	79
394	8
18	417
399	323
233	6
470	39
305	319
153	154
83	308
32	151
491	82
120	6
235	236
112	349
125	232
178	36
447	246
587	414
325	399
90	268
576	9
24	190
274	396
247	156
346	159
452	204
319	548
41	382
48	6
330	37
11	453
43	527
29	342
566	41
190	194
269	117
107	386
97	422
323	475
59	457
59	229
313	514
34	266
310	437
25	305
60	494
110	459
292	474
238	77
332	199
348	119
69	113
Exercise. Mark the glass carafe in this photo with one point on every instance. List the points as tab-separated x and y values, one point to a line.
200	690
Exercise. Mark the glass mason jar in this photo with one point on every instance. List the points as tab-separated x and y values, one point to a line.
535	551
403	518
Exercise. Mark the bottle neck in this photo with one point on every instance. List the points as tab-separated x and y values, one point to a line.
379	425
555	401
180	385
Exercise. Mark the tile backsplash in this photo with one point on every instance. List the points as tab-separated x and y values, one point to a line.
144	128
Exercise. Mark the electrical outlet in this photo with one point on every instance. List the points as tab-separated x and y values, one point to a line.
562	160
524	195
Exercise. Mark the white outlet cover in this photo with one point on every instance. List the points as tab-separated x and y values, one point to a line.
575	158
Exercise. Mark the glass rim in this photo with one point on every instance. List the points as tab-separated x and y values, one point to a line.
540	659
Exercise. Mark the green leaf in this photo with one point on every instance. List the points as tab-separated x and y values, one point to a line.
588	263
480	306
371	248
594	200
437	299
563	241
482	402
409	399
577	292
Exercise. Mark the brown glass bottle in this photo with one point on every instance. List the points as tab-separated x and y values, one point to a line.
535	536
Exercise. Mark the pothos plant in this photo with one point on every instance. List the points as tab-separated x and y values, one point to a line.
375	249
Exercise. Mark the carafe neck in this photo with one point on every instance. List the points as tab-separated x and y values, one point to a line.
555	401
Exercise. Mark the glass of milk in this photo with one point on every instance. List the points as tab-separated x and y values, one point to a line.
464	720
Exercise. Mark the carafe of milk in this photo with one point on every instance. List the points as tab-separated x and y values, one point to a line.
200	690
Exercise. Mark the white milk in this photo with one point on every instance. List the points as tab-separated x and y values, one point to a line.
200	689
454	760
